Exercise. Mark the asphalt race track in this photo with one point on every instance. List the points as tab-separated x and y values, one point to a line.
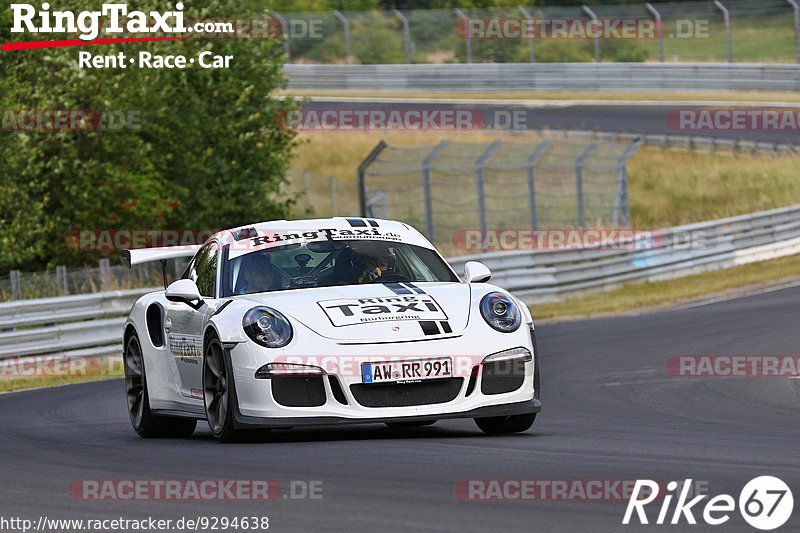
611	412
635	118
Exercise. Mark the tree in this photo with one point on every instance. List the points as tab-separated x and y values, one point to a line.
199	149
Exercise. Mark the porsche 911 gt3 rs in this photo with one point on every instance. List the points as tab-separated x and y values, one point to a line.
323	322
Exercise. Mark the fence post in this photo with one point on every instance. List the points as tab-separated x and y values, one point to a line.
796	8
621	206
406	36
61	280
579	162
285	30
348	43
467	37
307	183
531	165
427	163
14	278
596	31
531	43
659	29
333	196
362	171
727	18
480	164
105	274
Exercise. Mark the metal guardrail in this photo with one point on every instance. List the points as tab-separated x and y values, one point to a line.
677	141
531	77
85	324
538	276
91	324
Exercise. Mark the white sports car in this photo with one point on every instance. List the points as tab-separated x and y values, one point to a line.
325	322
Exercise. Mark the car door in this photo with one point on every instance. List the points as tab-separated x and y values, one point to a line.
185	324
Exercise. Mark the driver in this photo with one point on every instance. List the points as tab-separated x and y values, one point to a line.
377	263
257	274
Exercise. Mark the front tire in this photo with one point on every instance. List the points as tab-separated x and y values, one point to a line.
144	422
498	425
218	397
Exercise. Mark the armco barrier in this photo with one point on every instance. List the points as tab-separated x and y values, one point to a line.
91	324
85	324
543	276
531	77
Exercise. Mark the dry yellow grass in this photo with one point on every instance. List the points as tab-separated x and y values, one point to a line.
689	288
93	370
666	187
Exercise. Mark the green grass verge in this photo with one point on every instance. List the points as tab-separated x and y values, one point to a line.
94	371
676	291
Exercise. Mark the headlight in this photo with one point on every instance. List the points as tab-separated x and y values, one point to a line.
267	327
500	312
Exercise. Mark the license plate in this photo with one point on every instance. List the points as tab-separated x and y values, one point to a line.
407	371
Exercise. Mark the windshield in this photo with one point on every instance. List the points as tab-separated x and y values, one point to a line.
332	263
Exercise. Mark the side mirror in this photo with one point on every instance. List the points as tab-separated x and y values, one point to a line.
183	291
475	272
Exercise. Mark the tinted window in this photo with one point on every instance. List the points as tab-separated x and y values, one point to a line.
331	263
204	270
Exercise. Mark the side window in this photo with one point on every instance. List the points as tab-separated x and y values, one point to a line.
203	270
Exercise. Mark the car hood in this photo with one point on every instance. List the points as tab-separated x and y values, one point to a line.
390	312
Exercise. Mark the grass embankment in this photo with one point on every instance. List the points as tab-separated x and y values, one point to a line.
666	188
653	295
27	374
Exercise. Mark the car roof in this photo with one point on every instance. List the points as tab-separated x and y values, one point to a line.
252	237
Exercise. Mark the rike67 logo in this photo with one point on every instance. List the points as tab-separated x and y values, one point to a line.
765	503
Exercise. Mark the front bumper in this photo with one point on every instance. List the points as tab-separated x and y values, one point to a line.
255	403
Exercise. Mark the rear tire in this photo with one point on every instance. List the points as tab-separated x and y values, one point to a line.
144	422
498	425
414	424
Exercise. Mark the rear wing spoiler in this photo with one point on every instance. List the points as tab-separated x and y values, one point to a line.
137	256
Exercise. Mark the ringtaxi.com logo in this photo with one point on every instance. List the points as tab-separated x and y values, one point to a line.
765	502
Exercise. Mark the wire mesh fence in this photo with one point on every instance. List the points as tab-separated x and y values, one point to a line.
321	196
727	30
453	187
62	281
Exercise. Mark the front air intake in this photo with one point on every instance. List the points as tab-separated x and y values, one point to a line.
298	391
